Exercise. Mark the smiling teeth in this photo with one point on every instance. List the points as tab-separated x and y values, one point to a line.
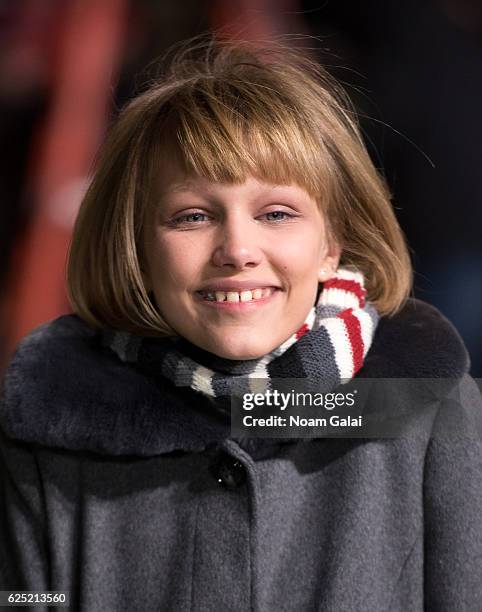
237	296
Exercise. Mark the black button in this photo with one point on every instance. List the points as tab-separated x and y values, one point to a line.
229	472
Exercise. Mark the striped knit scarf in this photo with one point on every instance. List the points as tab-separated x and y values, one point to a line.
329	348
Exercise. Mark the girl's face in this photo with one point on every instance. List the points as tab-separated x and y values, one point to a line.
235	268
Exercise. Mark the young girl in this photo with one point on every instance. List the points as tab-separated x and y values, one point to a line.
236	229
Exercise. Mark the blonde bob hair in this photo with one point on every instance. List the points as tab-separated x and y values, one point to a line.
227	110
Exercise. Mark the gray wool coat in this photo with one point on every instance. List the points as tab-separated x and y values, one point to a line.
131	494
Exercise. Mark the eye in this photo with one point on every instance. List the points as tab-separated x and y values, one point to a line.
191	218
279	215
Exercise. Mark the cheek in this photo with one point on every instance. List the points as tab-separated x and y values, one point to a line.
302	254
175	262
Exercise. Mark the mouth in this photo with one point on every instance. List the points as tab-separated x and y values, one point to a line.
237	299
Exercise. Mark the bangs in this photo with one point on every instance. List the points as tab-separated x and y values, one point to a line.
225	131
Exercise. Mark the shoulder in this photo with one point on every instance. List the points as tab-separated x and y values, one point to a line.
417	342
62	379
55	356
50	341
59	369
65	389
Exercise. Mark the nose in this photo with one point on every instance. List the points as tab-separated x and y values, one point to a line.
237	245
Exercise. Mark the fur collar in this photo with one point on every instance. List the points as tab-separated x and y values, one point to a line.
65	390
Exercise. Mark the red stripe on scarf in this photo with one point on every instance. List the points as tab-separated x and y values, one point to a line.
347	285
353	328
302	331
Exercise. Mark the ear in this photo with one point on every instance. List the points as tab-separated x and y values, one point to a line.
329	263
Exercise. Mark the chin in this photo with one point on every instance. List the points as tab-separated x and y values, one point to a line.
240	353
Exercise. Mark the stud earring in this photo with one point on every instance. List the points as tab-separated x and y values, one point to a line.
322	274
